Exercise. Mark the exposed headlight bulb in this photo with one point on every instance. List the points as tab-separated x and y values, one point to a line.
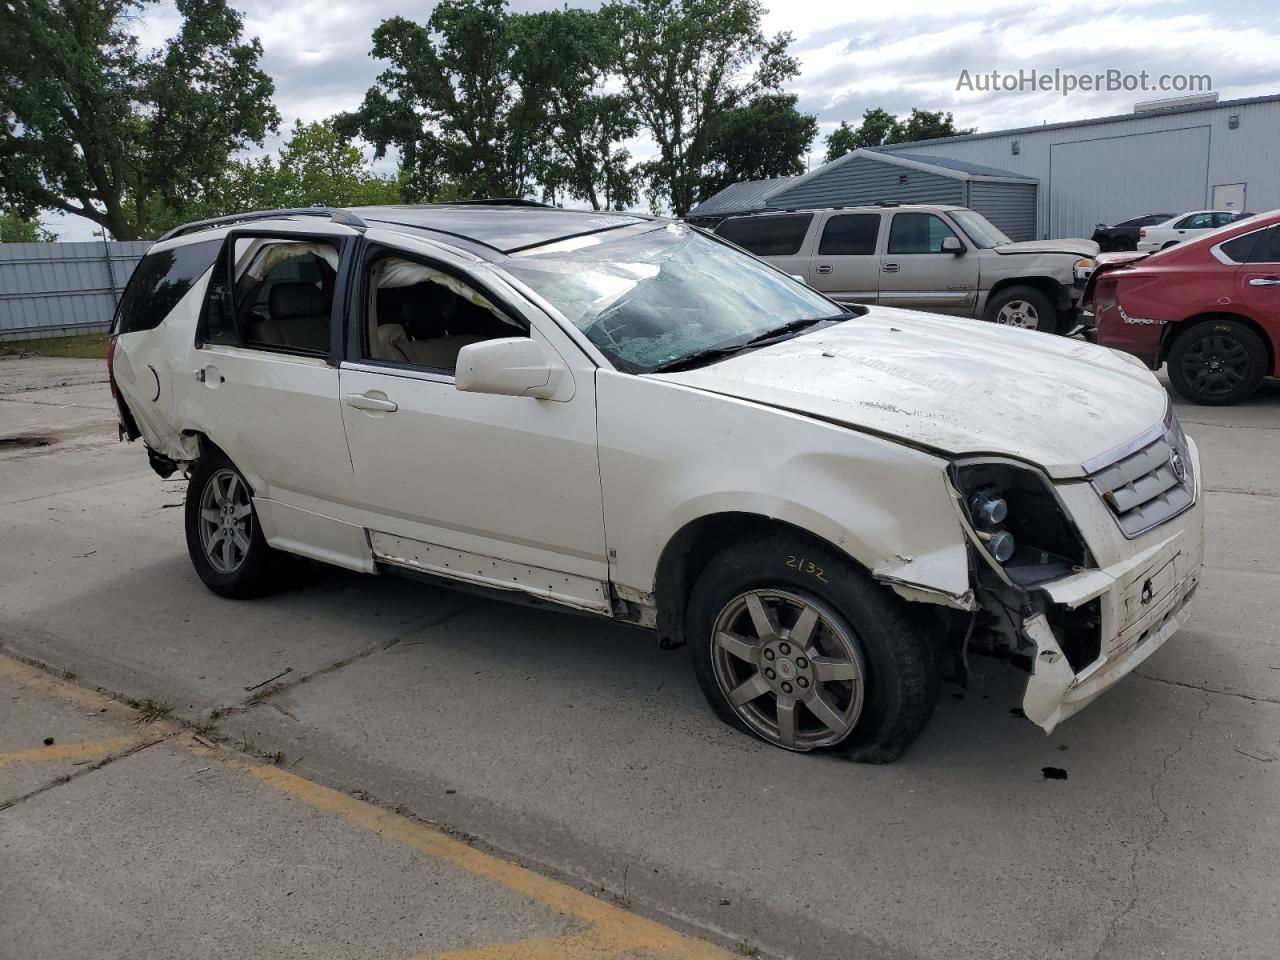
989	508
1000	544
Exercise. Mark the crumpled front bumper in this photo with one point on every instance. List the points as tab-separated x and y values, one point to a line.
1143	598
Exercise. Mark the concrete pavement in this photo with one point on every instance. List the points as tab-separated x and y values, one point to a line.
578	747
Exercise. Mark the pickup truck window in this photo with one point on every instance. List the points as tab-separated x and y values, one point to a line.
918	233
779	236
980	230
850	235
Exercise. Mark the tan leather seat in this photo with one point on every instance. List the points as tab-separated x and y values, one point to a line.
297	316
388	343
439	352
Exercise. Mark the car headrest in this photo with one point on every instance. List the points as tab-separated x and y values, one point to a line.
296	300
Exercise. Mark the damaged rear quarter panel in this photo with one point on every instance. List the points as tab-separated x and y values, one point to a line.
670	454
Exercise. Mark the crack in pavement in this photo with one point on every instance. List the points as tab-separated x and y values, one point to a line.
1140	852
267	693
86	770
1192	686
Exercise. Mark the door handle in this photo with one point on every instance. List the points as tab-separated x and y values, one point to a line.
890	267
364	401
1264	281
209	375
824	268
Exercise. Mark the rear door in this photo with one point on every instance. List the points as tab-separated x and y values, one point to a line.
916	272
263	381
1258	281
780	238
846	266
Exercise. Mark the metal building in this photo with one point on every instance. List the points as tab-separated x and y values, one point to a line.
862	177
1168	156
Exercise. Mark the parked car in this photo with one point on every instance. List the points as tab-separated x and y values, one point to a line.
1124	235
943	259
1210	308
626	416
1184	227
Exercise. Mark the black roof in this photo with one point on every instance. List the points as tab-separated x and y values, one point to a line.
505	228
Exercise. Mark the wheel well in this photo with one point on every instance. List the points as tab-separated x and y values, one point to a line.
1050	287
689	551
1174	331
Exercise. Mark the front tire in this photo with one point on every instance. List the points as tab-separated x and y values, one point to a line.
224	537
792	643
1217	363
1024	307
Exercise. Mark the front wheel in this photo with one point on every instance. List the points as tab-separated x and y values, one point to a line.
794	644
1024	307
1217	362
224	538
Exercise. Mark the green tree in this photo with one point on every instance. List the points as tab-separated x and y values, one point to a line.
685	63
561	61
879	127
316	167
451	105
767	137
93	126
15	228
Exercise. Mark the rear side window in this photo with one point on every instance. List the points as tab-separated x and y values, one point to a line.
918	233
850	235
1260	247
1197	221
767	236
159	282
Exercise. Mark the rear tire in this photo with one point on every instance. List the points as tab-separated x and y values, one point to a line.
224	537
852	668
1217	363
1022	306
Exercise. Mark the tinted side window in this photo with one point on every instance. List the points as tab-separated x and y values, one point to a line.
850	234
1222	219
159	282
1197	221
918	233
767	236
1261	247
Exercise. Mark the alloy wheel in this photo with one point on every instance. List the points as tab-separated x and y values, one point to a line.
1216	365
1019	313
226	521
788	668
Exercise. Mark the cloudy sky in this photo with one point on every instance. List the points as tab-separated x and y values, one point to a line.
898	55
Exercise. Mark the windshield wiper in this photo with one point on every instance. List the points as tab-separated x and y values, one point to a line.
720	351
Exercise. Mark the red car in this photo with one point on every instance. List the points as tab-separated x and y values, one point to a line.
1209	307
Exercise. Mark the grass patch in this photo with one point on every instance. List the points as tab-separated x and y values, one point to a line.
86	346
149	710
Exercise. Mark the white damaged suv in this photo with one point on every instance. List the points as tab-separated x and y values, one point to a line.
831	505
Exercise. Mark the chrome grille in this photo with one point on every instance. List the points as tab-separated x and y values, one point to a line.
1148	486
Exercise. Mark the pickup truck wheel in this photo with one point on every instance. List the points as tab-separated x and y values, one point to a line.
791	642
1217	362
1024	307
224	537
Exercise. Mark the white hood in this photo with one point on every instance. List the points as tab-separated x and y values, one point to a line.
1075	247
957	386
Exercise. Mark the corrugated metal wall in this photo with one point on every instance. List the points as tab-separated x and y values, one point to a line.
863	180
1010	206
1069	181
51	289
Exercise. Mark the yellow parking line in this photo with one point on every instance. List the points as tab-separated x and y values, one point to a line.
604	931
68	751
610	931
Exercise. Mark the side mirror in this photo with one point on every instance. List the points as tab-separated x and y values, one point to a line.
511	367
953	245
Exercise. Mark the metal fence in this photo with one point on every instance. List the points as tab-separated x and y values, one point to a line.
56	289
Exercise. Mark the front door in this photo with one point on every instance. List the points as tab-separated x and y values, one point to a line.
846	267
500	491
916	272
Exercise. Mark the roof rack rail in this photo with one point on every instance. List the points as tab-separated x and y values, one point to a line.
888	203
499	202
333	213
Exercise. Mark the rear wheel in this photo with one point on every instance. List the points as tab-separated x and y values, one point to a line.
224	538
1218	362
792	643
1024	307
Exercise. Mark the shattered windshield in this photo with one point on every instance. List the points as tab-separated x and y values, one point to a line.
653	298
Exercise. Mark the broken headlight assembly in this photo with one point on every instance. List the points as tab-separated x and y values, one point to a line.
1019	521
